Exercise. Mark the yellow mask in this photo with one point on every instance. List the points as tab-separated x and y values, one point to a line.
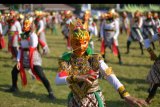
27	25
79	37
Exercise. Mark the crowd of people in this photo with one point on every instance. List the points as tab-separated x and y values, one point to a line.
81	68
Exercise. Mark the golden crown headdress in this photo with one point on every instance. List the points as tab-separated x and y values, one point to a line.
78	30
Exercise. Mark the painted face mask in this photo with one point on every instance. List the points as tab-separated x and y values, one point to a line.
79	37
27	25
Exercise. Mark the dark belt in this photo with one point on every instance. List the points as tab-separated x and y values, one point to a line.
135	28
109	30
25	49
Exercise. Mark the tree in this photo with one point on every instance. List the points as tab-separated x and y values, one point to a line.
77	8
13	6
103	6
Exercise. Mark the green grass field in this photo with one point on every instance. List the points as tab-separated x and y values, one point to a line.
132	74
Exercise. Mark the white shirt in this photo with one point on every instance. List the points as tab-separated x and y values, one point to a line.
114	25
41	26
33	42
1	30
16	27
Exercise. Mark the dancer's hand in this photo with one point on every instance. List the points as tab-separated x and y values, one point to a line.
38	34
87	78
45	50
18	65
115	38
132	101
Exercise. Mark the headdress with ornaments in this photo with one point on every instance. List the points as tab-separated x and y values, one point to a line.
111	14
78	31
155	15
68	14
27	25
87	15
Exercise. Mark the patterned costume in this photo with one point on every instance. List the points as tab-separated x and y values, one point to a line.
29	57
148	27
83	63
2	41
156	22
110	33
14	29
125	24
153	77
40	30
136	31
65	29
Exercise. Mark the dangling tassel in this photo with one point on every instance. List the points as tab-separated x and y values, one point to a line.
114	49
102	47
2	42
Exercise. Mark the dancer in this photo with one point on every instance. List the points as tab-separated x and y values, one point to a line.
110	33
153	77
80	70
136	31
29	57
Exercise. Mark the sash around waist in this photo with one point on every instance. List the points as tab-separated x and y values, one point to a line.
26	49
109	30
12	32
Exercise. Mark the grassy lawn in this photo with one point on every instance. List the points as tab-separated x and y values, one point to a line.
132	74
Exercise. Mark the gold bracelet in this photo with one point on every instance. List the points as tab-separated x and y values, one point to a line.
122	91
109	71
126	94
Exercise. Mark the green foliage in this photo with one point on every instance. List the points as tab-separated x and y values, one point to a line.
103	6
77	8
142	8
13	6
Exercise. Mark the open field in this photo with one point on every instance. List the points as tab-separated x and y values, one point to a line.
132	74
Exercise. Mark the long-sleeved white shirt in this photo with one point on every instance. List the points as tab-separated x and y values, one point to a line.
116	28
1	30
33	42
92	29
126	22
138	23
16	27
41	26
114	25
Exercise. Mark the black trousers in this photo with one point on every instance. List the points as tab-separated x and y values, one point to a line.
39	71
119	54
152	90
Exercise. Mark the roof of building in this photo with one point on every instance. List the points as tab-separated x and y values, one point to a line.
2	7
53	7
